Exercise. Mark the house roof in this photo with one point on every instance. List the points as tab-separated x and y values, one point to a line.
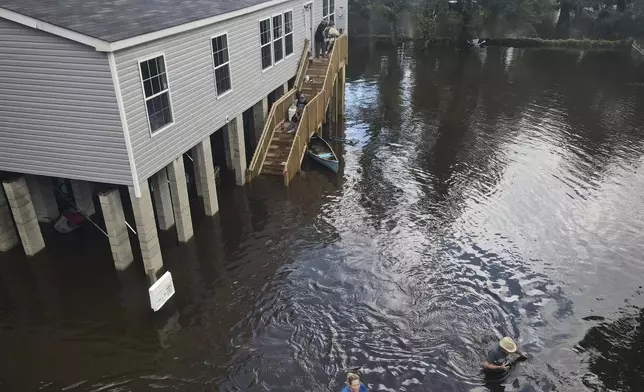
116	20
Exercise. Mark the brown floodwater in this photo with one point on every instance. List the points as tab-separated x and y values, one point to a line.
485	193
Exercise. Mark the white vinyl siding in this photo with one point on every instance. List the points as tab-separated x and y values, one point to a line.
221	61
58	111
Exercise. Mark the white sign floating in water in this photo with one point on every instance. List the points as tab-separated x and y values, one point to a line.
161	291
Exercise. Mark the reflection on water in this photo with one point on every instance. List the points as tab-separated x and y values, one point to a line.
489	193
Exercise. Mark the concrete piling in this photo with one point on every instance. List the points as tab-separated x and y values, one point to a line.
205	176
83	196
42	195
237	149
162	199
8	235
146	229
24	214
260	112
196	166
117	230
180	201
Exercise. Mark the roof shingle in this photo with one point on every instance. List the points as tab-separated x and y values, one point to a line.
114	20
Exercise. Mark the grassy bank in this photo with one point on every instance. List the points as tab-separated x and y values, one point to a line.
510	42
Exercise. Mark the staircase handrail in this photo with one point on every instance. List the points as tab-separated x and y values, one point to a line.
314	112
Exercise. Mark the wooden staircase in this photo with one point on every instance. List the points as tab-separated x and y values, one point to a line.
281	144
278	152
281	153
315	75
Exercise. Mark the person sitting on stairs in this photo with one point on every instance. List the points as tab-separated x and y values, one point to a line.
300	100
291	126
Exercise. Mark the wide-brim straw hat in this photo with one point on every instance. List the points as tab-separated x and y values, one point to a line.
508	345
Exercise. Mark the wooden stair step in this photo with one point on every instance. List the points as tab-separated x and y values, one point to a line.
319	63
277	151
281	133
272	172
281	154
316	72
312	86
282	140
273	169
288	139
273	161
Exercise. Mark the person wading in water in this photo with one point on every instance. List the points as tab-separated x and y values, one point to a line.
502	355
354	384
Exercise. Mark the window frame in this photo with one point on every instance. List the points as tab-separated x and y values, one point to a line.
281	37
146	99
269	44
292	33
215	67
328	16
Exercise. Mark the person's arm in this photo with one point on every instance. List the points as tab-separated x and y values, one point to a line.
491	366
521	354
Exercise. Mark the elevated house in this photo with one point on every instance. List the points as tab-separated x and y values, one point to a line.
115	93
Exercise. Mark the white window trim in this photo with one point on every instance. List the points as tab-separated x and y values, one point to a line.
273	39
215	67
328	16
291	33
270	42
145	99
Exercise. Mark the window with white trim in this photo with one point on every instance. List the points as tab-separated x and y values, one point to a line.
278	44
328	10
157	93
288	32
265	35
222	64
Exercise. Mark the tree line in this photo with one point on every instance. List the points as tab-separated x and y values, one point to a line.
460	20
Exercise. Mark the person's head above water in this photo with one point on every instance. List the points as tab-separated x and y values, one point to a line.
353	380
508	345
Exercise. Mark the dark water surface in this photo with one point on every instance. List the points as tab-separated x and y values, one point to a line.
490	193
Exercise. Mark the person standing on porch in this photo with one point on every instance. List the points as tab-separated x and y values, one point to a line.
319	39
330	35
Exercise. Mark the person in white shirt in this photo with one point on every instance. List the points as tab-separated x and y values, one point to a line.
330	35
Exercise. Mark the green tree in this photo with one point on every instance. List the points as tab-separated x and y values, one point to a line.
392	10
